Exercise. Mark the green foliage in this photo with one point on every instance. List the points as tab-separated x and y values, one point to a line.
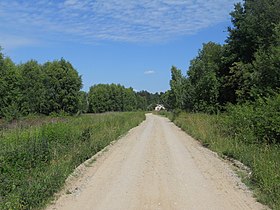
245	69
107	98
141	102
242	81
266	68
98	97
83	102
164	99
258	122
176	88
253	27
200	90
251	61
148	101
10	90
203	77
31	88
129	100
63	84
35	161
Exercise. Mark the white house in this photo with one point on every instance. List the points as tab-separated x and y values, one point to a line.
159	107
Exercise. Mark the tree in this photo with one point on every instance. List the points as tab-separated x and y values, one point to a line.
267	68
116	97
203	86
141	102
129	99
249	41
105	98
98	98
83	102
2	82
32	87
253	27
151	99
10	92
62	84
177	88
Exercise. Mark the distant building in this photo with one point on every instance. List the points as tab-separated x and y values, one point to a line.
159	107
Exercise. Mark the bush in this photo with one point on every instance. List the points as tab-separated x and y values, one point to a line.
258	122
11	112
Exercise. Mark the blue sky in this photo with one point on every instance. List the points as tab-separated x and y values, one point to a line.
131	42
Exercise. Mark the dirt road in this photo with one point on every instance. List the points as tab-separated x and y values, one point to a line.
156	166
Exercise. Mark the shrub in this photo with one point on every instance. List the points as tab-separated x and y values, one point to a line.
256	122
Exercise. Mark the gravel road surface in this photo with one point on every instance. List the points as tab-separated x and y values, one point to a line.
155	166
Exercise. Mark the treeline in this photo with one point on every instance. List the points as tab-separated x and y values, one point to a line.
55	88
106	98
244	69
115	97
43	89
241	78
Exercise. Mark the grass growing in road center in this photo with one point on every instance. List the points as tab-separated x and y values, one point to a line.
36	160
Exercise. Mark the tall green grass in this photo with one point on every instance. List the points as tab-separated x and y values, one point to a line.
216	133
36	160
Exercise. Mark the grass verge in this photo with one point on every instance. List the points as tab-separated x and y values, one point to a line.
36	160
262	159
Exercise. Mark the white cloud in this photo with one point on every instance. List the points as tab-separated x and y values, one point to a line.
125	20
149	72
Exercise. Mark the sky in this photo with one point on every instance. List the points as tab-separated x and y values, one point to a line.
128	42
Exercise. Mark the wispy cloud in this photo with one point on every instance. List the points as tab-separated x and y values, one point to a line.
113	20
149	72
9	42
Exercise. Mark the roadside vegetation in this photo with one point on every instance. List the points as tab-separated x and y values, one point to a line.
54	88
35	159
112	97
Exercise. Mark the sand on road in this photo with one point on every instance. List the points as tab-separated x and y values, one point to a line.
156	166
